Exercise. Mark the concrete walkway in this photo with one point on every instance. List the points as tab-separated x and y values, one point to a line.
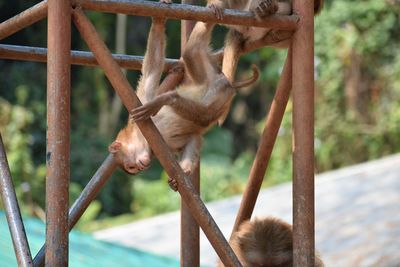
357	218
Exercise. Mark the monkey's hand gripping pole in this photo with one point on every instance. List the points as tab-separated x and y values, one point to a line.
152	135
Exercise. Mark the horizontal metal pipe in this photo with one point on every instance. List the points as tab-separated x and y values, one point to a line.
187	12
85	198
82	58
23	19
14	219
154	138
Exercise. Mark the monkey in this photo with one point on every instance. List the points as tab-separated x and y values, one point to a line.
238	35
260	8
183	114
265	242
130	149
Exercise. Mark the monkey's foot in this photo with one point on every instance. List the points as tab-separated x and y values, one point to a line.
263	8
166	1
176	69
217	10
278	36
173	184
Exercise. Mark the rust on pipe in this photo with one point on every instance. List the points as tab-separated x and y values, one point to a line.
303	136
190	234
187	12
23	19
89	193
82	58
13	214
158	145
268	138
58	131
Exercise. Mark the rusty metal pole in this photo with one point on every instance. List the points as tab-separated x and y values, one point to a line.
38	54
190	234
161	150
188	12
89	193
58	131
23	19
266	145
303	135
13	214
190	231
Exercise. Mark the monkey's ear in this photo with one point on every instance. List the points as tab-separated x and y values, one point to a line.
114	147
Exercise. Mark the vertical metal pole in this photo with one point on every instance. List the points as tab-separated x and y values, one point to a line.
303	135
58	131
190	234
14	219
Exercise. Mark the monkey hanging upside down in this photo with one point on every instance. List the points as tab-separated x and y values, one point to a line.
266	242
239	35
181	115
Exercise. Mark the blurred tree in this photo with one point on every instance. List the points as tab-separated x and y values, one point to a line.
356	88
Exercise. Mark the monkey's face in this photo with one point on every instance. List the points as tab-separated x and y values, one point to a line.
131	150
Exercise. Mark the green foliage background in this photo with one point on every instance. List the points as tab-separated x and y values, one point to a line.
357	111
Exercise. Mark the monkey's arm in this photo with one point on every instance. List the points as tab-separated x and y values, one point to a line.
201	114
153	63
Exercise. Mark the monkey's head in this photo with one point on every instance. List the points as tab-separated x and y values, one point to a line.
266	242
131	150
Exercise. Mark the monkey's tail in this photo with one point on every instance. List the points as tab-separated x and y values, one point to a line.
249	81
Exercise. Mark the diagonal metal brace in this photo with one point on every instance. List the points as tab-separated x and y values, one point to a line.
154	138
13	214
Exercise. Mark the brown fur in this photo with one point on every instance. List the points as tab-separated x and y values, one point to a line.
182	115
239	35
266	242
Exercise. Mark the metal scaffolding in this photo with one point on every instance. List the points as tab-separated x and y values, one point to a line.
297	75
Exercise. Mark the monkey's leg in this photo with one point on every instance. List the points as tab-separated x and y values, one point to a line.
153	62
190	158
263	8
198	63
232	51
